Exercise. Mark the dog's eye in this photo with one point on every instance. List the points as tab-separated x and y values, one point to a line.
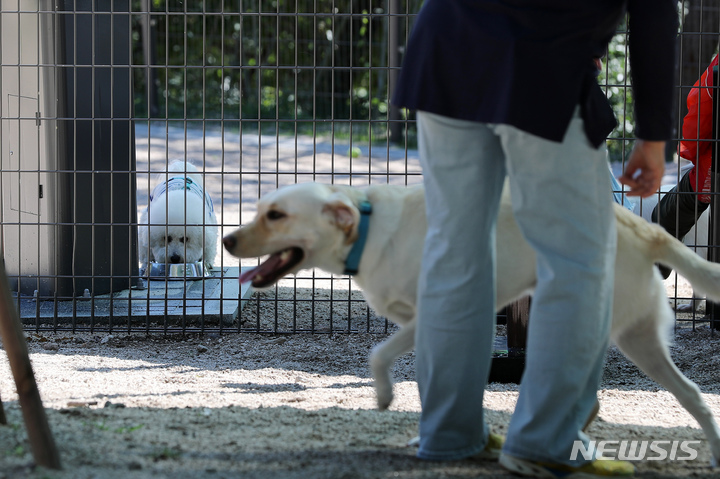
182	240
275	215
168	239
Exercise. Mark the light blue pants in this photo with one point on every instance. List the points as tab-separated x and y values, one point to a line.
562	201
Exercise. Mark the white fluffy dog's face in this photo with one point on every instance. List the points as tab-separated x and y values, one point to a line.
176	244
176	232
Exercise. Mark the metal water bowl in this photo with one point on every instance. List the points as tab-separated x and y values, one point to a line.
172	271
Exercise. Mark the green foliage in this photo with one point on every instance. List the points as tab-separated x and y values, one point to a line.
128	429
290	66
100	425
264	60
615	80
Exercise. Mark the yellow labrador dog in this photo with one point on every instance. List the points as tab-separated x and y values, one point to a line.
314	225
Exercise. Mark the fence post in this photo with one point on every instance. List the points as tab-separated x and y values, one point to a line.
41	440
98	193
149	42
394	69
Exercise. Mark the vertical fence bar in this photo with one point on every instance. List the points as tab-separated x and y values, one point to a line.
714	229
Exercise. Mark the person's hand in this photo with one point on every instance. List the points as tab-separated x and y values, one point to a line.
645	168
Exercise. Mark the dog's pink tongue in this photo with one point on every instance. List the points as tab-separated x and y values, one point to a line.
248	275
270	265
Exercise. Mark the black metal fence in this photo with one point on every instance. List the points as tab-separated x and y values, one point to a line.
99	96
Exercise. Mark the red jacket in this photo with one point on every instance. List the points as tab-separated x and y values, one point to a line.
697	142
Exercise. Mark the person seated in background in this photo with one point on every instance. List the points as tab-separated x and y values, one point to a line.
679	209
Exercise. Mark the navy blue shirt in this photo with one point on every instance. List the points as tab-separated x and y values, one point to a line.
529	63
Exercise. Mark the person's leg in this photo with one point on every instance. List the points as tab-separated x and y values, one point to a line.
463	171
562	200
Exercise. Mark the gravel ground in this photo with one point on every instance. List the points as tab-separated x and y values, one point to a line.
290	406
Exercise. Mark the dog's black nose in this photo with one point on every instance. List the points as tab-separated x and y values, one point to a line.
229	242
175	259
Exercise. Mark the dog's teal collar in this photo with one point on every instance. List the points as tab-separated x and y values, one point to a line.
352	262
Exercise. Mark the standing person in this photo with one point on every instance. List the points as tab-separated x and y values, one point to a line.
507	88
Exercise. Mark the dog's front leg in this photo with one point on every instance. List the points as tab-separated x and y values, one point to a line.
382	358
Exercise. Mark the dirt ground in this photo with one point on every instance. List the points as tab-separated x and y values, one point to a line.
290	406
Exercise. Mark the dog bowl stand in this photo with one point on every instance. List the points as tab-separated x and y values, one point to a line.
217	298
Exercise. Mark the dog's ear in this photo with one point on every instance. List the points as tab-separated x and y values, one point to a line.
343	214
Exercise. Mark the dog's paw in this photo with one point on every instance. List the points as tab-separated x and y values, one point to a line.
383	382
384	397
383	405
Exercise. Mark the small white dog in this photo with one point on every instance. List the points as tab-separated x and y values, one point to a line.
312	225
179	224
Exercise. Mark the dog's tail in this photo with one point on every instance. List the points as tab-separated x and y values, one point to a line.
181	166
703	275
663	248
